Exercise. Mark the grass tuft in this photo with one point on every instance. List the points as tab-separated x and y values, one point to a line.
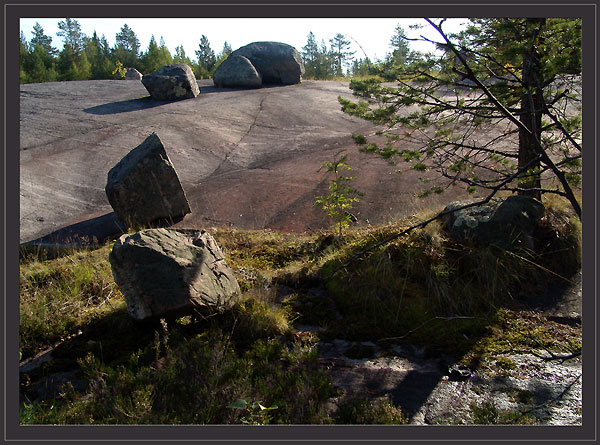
423	289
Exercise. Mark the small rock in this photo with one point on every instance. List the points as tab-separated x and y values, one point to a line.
133	74
458	373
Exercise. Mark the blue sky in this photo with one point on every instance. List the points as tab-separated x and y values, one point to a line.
373	35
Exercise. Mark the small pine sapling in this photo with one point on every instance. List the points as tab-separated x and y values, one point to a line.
339	201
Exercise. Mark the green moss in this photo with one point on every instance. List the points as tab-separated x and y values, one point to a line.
522	331
488	414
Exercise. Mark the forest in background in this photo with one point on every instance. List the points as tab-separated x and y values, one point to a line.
85	58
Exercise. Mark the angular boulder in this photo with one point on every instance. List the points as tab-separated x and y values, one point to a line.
504	222
144	187
133	74
165	273
276	63
172	82
237	72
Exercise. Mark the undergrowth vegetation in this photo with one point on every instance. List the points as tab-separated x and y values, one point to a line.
249	365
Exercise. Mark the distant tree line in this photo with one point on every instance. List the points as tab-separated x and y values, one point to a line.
337	60
83	57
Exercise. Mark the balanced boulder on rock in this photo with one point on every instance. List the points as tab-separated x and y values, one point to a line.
172	272
172	82
503	222
276	63
144	187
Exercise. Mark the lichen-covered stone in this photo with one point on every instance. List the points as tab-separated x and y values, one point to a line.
172	82
144	187
172	272
505	222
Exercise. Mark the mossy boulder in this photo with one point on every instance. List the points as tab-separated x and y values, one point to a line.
503	222
166	273
172	82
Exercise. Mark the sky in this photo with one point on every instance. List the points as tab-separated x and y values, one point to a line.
373	35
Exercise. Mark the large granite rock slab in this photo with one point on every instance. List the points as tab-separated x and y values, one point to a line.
237	72
506	222
172	82
144	187
165	273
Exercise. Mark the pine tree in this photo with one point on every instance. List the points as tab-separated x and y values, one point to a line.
400	47
206	58
98	54
70	31
127	47
310	56
165	57
39	38
180	56
324	67
156	56
226	49
23	56
67	69
521	75
38	58
340	53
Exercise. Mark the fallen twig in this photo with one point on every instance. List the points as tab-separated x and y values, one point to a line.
541	405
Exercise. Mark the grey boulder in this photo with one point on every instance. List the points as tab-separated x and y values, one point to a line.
237	72
506	222
276	63
165	273
172	82
144	187
133	74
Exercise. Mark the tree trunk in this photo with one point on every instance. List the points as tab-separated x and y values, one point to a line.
531	114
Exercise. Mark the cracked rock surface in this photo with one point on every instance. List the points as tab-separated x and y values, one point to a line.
245	158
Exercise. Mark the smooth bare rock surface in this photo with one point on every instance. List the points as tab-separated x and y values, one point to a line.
169	272
277	63
133	74
237	72
500	221
245	158
172	82
144	186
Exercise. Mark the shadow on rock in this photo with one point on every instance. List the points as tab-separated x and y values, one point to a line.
89	234
207	89
125	106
